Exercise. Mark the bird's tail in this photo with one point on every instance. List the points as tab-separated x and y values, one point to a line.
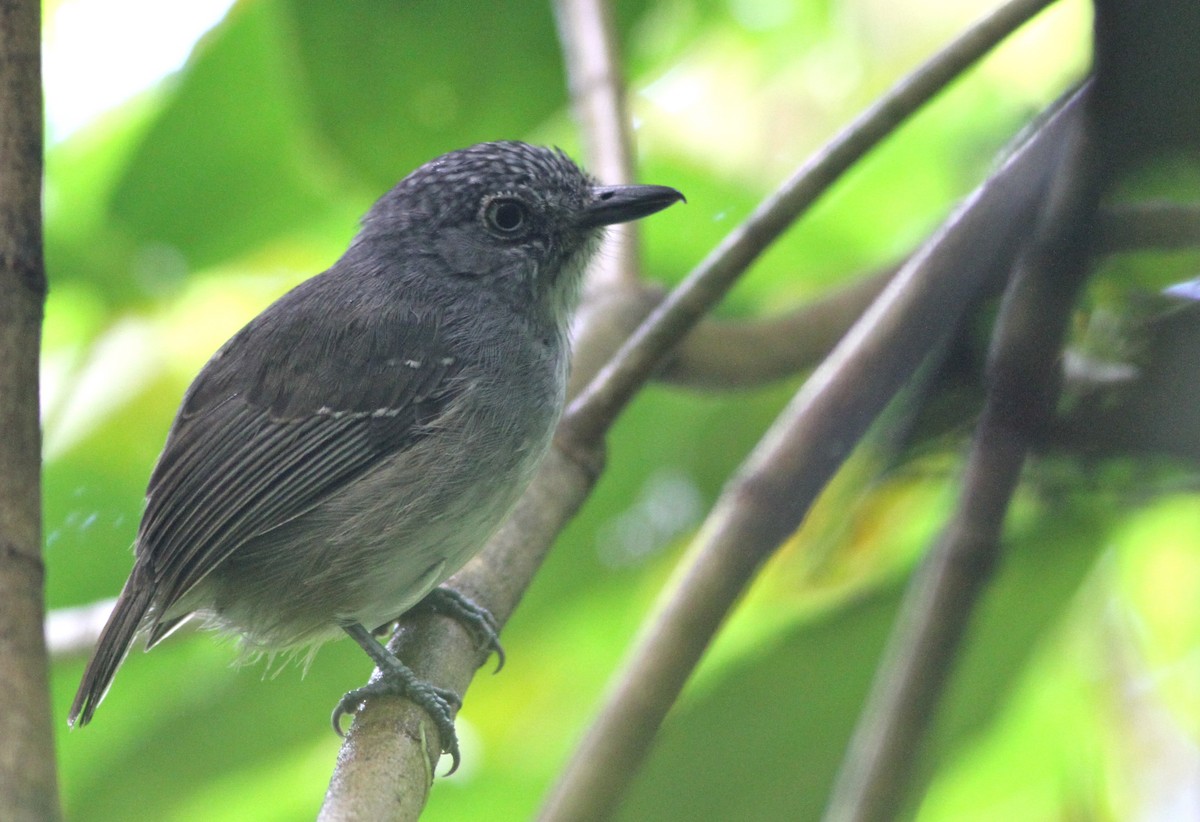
115	639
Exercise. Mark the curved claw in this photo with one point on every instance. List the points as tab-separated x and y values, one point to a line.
350	702
476	619
397	679
439	703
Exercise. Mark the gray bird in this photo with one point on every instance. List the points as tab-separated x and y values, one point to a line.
357	442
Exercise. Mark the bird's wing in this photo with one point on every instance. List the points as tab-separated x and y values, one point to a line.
287	413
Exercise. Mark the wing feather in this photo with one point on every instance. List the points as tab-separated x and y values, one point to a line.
290	411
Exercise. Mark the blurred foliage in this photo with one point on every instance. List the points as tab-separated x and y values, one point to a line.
175	218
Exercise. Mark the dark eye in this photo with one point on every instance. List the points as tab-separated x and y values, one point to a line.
506	217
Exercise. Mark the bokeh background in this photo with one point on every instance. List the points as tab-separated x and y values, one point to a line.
204	157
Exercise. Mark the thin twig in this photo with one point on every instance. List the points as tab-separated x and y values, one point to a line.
731	354
771	493
589	47
593	412
585	31
616	298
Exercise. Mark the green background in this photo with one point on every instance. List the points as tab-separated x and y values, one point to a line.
175	218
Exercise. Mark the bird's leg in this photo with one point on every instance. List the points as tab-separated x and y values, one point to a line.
477	620
398	679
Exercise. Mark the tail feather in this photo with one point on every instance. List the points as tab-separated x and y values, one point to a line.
115	639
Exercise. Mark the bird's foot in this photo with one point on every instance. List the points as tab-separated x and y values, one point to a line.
397	679
478	621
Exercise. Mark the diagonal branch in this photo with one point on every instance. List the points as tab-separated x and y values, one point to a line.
773	490
1141	105
591	413
732	354
1023	384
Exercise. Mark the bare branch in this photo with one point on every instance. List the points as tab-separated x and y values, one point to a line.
1140	104
773	490
28	788
739	354
591	413
597	88
1023	385
727	354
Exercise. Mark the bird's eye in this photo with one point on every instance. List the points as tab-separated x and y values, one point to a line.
506	217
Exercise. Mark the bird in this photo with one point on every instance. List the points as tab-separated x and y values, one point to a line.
359	441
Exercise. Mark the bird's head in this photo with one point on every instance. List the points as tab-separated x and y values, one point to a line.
515	218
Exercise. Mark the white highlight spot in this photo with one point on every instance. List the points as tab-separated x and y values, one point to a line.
100	53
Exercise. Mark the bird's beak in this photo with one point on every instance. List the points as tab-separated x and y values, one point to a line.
620	204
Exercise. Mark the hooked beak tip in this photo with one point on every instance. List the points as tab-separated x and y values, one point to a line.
610	205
